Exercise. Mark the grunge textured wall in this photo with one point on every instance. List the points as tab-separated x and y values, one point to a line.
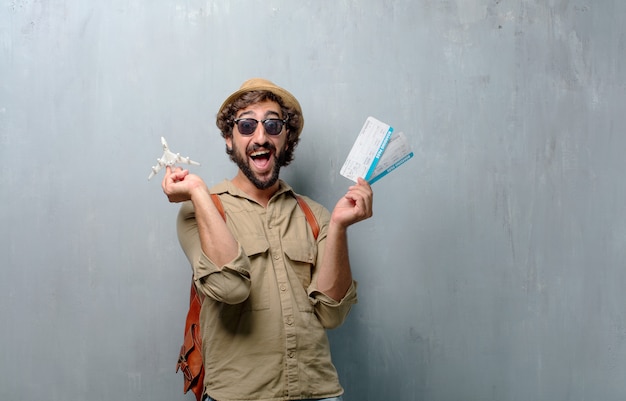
493	268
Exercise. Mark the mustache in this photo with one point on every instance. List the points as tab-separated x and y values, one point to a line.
267	145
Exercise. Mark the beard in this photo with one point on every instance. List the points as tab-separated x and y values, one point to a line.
241	160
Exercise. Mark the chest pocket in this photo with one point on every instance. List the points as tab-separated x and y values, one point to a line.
256	248
301	258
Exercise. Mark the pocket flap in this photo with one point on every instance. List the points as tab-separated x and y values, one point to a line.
299	252
253	244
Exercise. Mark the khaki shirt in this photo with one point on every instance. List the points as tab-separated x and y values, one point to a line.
273	345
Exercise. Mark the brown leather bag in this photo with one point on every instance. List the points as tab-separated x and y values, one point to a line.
190	357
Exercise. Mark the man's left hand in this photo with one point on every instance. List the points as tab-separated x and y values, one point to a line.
355	205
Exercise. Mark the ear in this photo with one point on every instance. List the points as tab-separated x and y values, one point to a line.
229	142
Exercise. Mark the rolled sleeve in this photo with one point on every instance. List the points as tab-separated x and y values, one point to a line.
230	284
332	313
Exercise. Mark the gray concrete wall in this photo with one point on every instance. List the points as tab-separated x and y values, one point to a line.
493	268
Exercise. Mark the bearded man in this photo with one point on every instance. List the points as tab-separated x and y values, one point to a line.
271	287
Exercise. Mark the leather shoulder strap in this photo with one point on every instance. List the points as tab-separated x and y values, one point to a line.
218	204
310	217
308	213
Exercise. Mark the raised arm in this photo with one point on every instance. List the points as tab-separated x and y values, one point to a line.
216	240
334	273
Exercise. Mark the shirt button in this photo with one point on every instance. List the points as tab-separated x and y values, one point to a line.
283	287
276	257
290	320
290	354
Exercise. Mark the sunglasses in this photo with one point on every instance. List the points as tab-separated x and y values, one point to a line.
272	126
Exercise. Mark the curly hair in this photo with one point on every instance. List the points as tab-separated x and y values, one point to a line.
225	119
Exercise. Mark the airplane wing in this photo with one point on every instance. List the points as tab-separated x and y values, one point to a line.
155	170
186	160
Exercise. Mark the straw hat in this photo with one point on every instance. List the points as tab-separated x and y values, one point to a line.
260	84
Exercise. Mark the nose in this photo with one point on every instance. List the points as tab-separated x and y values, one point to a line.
259	135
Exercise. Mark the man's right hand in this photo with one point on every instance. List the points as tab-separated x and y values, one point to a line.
179	185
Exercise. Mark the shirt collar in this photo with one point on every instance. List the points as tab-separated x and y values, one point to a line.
227	186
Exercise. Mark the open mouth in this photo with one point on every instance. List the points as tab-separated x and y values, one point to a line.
261	158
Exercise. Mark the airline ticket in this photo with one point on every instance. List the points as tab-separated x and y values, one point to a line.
398	152
367	150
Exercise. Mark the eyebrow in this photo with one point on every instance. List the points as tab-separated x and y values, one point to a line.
267	114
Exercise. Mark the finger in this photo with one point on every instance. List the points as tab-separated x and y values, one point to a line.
361	192
168	172
179	175
362	200
172	177
361	183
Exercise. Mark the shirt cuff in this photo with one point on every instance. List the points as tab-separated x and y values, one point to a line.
204	266
350	297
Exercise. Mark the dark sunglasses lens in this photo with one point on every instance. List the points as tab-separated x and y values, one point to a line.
246	126
273	126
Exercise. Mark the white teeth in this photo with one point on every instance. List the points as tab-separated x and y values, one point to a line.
259	153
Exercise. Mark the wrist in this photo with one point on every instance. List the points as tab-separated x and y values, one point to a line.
337	228
198	193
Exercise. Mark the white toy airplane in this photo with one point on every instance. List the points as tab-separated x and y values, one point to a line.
169	158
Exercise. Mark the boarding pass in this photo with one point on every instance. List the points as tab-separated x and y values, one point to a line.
397	152
367	150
